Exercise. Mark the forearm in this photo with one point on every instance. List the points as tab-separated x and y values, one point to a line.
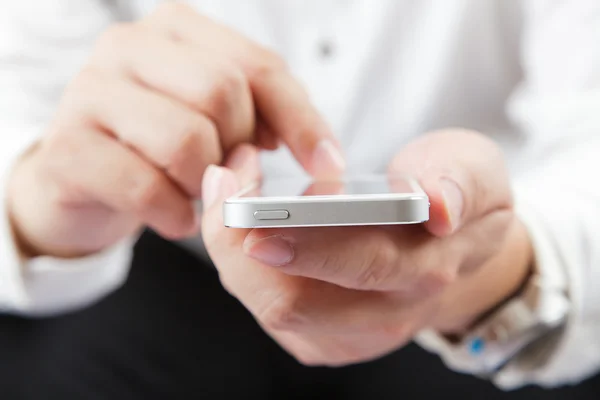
474	295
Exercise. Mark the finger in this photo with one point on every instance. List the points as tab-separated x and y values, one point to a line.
287	109
278	301
241	168
361	258
280	99
325	188
402	184
199	78
241	276
463	174
182	22
244	163
174	138
121	180
284	303
318	308
265	137
406	259
357	342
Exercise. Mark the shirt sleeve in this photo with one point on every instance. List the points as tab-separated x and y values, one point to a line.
42	45
557	112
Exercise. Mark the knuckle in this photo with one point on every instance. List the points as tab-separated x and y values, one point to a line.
436	280
377	271
57	150
269	63
485	142
309	359
336	362
192	138
500	223
283	314
85	83
54	142
187	140
115	36
146	190
172	9
89	75
228	86
331	265
397	332
227	282
272	61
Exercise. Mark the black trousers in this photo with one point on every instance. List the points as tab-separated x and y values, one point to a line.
173	332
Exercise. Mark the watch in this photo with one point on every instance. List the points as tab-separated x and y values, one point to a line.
535	311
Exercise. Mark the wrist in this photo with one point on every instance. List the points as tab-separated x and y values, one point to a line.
15	185
28	214
475	296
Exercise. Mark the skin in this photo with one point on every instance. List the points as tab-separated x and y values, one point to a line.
341	295
132	137
134	142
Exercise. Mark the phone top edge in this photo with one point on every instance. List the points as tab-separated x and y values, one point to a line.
328	198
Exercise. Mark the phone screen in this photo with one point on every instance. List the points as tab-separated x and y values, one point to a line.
361	185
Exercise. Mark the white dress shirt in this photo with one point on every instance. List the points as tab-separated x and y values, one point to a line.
382	72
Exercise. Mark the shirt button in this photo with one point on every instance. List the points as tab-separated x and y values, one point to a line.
326	49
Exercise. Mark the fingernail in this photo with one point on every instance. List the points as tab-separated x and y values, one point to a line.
218	184
273	250
454	201
240	159
327	158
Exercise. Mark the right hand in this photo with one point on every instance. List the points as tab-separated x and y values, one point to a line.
158	101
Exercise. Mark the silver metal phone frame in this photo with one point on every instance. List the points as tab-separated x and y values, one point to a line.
340	210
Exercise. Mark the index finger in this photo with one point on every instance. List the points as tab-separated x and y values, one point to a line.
281	101
286	108
324	188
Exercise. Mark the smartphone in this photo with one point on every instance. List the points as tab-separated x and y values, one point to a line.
349	201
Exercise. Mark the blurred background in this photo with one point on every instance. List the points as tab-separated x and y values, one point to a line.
171	330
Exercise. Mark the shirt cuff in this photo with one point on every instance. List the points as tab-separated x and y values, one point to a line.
45	285
55	286
517	366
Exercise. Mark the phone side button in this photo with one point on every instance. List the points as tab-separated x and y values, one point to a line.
271	214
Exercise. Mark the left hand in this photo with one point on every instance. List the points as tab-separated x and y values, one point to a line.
340	295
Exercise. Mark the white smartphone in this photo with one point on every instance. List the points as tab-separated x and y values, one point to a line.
301	202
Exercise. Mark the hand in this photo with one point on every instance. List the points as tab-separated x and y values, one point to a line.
339	295
157	102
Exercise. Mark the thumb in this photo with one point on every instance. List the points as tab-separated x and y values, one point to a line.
218	184
463	174
241	168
